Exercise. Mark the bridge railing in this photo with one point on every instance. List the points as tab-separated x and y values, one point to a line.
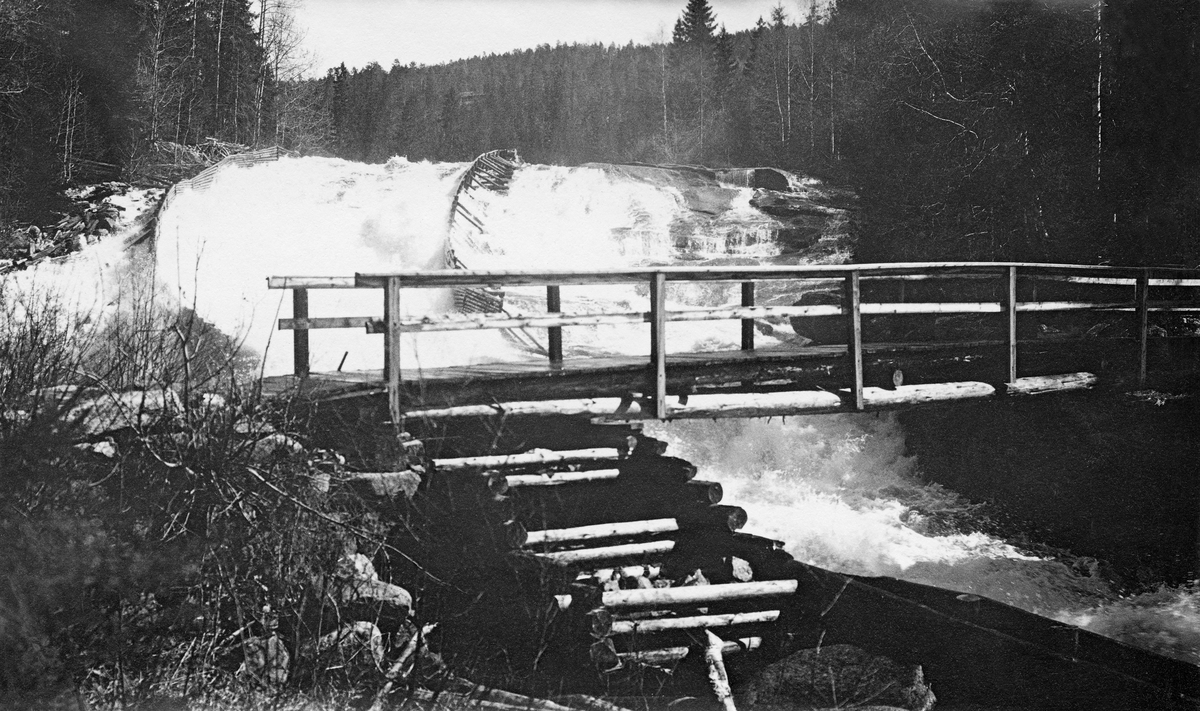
1105	284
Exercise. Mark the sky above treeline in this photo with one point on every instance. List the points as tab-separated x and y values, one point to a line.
358	32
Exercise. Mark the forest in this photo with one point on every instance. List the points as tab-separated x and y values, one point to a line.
970	129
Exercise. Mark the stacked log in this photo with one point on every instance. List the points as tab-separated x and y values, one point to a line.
645	556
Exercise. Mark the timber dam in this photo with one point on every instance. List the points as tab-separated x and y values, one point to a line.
633	424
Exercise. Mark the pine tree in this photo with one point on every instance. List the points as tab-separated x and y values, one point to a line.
697	23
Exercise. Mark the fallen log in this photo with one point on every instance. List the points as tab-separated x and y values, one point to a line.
669	655
539	456
484	699
1051	383
629	550
561	478
725	518
604	530
664	624
697	594
717	675
660	469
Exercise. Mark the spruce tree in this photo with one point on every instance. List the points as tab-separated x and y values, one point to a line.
697	24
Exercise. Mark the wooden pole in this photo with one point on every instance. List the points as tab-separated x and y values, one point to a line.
854	336
1143	302
666	624
300	337
604	530
555	345
697	594
562	478
391	349
629	550
1010	307
747	323
537	456
669	655
658	343
717	675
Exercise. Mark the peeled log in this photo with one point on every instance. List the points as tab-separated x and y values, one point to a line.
882	398
538	456
630	550
604	530
697	594
1051	384
717	675
664	624
674	654
560	478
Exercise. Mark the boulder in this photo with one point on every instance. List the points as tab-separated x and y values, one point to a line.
355	646
361	595
136	409
266	660
273	445
838	676
387	485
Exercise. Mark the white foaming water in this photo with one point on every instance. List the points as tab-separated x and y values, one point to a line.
839	490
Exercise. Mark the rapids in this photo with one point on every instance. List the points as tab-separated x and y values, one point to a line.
839	489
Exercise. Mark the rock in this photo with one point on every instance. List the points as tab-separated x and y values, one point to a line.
741	570
272	445
838	676
104	449
820	329
354	644
266	659
385	484
362	595
136	409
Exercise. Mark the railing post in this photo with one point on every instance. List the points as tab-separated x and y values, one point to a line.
658	342
747	323
1010	309
300	335
554	305
1143	316
391	348
853	312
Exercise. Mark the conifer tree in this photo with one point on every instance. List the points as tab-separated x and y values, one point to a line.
697	23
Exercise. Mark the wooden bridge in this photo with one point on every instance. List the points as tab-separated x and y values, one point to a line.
888	335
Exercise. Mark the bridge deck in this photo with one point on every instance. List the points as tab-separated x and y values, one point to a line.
822	367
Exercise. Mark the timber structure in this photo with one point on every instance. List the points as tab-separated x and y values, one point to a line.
615	558
888	336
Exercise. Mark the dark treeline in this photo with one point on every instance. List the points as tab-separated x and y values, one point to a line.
88	87
971	129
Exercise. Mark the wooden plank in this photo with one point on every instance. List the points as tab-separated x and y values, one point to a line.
442	278
853	300
300	282
307	324
747	323
1010	308
391	348
658	343
1143	325
555	343
300	360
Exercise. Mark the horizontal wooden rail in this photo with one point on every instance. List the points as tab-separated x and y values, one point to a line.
993	289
